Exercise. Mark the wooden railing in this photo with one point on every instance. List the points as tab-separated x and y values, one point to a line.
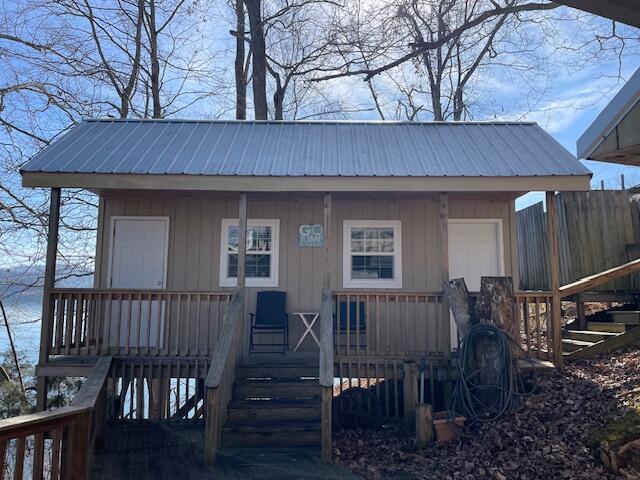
592	281
57	444
158	390
389	324
135	322
221	375
534	319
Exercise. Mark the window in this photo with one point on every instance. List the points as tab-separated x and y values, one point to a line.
261	266
372	254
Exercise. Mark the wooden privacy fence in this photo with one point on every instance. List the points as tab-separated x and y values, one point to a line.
135	322
57	444
595	233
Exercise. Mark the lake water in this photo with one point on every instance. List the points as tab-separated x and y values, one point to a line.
23	312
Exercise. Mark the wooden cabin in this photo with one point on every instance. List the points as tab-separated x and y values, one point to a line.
358	223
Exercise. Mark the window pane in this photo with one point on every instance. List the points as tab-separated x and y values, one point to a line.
371	267
357	233
376	240
233	239
357	246
256	266
232	266
259	239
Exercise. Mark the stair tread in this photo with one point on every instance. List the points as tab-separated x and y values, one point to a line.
595	333
277	403
261	427
580	343
278	382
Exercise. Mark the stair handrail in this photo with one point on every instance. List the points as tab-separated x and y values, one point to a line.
74	430
221	375
599	278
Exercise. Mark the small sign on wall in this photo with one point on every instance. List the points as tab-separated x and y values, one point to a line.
311	236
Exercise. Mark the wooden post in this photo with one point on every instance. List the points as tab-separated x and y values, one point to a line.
424	425
242	239
554	261
444	260
326	339
212	426
47	299
581	314
326	281
410	387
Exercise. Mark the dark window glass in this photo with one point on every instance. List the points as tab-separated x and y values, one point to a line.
257	266
364	267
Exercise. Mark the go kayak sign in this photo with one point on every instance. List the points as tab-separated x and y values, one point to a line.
311	236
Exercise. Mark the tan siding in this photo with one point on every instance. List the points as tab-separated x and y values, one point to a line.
194	242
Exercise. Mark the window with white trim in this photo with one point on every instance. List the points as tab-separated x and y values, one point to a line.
261	264
372	254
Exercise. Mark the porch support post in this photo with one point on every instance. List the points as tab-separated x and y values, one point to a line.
443	225
242	239
47	299
326	338
554	261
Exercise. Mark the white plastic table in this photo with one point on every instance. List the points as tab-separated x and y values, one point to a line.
309	319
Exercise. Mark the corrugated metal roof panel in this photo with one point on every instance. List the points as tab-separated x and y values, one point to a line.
252	148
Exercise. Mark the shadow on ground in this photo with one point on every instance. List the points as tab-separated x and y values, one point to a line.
175	451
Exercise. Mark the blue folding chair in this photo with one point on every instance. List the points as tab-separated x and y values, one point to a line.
270	318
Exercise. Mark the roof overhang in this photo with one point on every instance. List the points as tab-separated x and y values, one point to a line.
624	11
112	181
614	136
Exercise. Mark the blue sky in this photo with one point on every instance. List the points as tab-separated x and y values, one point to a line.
576	102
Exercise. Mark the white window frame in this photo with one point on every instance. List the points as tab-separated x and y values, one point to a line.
271	281
347	281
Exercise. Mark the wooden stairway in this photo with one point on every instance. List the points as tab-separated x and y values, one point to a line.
602	336
276	402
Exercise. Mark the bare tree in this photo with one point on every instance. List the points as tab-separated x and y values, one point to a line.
431	57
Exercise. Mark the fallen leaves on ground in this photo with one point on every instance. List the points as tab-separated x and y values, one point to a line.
547	439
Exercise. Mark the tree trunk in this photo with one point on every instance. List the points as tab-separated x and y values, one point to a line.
155	63
259	64
457	296
241	84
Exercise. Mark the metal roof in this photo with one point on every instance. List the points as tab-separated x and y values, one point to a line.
612	115
296	149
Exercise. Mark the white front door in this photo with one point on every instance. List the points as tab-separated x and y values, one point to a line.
138	261
475	250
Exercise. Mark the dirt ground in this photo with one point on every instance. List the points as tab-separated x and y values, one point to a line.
552	437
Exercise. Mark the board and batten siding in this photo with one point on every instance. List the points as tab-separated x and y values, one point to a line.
195	226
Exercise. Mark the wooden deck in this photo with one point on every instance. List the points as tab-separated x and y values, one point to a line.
176	451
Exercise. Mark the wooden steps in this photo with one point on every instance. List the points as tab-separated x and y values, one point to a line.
630	337
276	402
622	330
631	317
613	327
276	389
274	434
569	345
591	336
